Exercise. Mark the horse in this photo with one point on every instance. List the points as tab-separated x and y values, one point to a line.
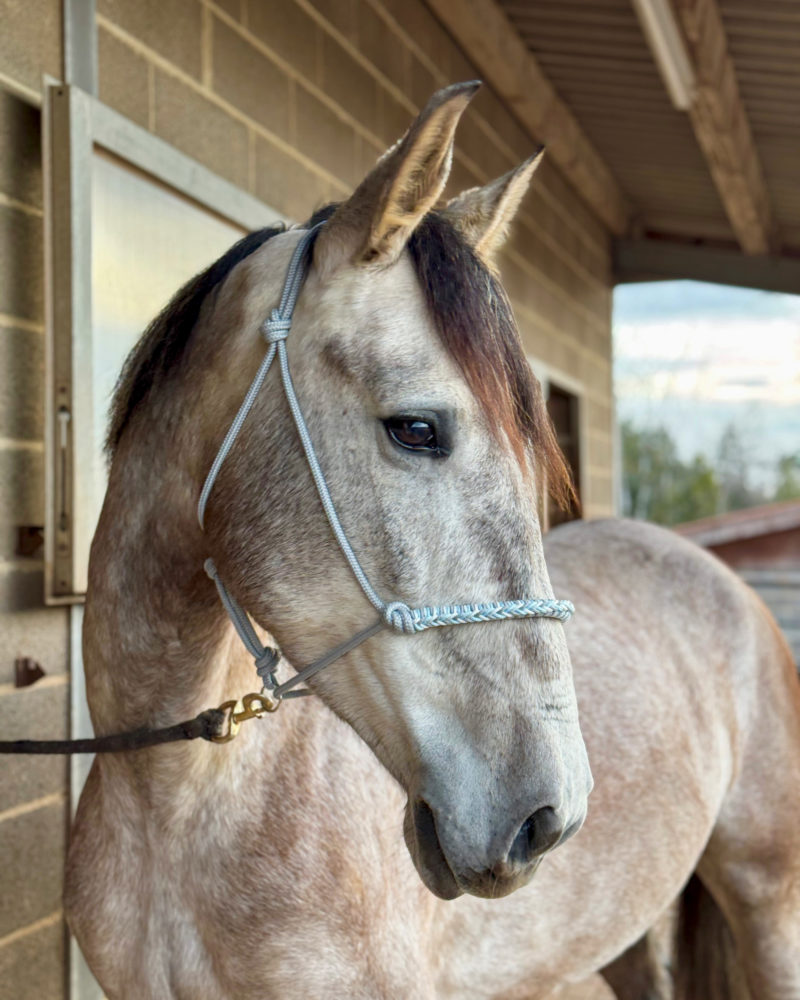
494	810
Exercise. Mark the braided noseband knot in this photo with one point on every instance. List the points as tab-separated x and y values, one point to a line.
277	327
398	616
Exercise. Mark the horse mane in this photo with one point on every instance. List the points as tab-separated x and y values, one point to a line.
160	348
471	312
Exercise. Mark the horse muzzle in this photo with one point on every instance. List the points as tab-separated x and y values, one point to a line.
450	865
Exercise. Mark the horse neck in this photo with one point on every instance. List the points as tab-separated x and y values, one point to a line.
157	645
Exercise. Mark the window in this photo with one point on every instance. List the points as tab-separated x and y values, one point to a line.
564	396
564	409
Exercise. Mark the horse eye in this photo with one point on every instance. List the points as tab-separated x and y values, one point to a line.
412	433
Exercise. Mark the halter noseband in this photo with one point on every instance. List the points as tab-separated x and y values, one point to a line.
395	615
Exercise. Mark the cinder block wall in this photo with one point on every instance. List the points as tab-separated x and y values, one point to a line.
292	100
33	807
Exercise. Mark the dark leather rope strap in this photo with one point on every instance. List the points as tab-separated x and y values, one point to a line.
206	726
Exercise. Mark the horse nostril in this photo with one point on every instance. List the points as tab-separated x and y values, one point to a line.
538	834
425	824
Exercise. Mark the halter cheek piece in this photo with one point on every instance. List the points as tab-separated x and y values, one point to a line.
395	615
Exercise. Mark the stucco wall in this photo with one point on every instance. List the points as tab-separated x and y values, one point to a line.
293	101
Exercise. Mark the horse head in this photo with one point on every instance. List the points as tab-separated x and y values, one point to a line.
435	444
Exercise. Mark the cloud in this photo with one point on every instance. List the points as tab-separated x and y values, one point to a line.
694	358
642	302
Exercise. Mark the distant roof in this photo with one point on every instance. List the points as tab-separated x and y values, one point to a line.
738	525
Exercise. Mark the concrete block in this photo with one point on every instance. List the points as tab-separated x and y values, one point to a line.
506	125
22	485
30	40
492	110
345	81
340	14
580	215
123	76
382	46
22	385
21	264
394	118
598	449
201	129
421	82
20	150
478	146
38	632
288	31
325	138
598	494
287	185
249	80
368	154
596	374
460	179
233	7
38	712
170	27
518	283
419	24
32	966
599	415
459	68
31	865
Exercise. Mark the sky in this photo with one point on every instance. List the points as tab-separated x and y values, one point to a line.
693	357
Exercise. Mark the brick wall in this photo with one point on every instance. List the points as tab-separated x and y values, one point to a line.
292	100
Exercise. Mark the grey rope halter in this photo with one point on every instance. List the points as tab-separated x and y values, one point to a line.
395	615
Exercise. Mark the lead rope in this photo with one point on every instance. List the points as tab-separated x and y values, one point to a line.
396	614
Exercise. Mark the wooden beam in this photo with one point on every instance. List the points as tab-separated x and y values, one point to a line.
723	130
492	43
667	260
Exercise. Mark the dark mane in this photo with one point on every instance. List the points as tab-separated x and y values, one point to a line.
162	344
476	324
469	307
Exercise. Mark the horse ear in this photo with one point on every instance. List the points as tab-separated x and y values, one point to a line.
375	223
483	215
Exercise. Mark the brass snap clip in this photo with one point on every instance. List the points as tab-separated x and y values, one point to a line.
253	706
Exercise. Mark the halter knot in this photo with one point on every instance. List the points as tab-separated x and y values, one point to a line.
399	617
265	665
277	327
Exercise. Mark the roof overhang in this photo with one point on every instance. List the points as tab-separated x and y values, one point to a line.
675	120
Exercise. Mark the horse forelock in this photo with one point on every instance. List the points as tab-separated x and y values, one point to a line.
471	313
476	324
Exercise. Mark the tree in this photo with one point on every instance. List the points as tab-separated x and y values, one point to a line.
734	460
788	477
699	494
657	485
648	459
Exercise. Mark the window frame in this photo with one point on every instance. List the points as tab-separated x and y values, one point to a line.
549	375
